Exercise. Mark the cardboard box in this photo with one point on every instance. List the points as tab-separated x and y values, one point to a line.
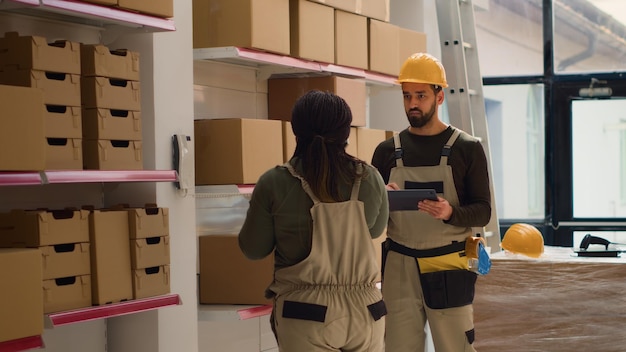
377	9
150	282
346	5
111	124
102	2
63	260
159	8
111	272
35	53
289	141
368	139
556	303
38	228
66	293
236	151
149	252
64	154
109	93
100	60
353	142
21	299
259	24
63	121
105	154
384	47
148	222
58	88
351	44
282	94
22	142
228	277
410	42
312	31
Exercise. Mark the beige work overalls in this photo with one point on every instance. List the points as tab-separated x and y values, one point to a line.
329	301
452	328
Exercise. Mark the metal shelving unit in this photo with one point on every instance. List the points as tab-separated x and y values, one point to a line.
111	310
85	176
82	13
87	13
282	64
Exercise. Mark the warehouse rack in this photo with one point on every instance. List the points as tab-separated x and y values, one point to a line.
87	13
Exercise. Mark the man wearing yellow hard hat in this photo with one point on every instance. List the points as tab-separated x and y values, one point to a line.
427	277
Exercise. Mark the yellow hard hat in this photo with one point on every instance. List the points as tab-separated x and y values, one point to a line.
523	239
423	68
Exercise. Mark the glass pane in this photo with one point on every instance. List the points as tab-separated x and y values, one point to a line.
509	36
516	130
598	156
589	36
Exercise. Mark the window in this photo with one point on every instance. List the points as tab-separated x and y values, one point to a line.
516	130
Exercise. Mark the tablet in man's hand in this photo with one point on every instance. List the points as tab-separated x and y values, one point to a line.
407	199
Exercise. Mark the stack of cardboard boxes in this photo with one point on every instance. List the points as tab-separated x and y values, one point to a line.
90	111
79	258
53	68
352	33
111	108
355	34
149	250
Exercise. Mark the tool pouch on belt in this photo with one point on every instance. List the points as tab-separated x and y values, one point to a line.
448	288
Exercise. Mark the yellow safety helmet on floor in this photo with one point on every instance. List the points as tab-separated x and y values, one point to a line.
423	68
523	239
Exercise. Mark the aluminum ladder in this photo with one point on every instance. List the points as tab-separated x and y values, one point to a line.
464	96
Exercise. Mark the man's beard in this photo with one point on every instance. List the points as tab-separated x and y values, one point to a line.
422	120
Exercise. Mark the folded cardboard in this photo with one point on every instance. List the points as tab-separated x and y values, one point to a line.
148	222
259	24
149	252
149	282
228	277
64	153
236	151
111	124
312	31
110	93
105	154
111	272
63	260
100	60
63	121
21	298
38	228
66	293
58	88
36	53
22	142
282	94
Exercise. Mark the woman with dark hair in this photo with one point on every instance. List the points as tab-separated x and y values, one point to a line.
318	214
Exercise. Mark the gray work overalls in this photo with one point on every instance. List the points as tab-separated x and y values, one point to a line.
416	243
329	301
